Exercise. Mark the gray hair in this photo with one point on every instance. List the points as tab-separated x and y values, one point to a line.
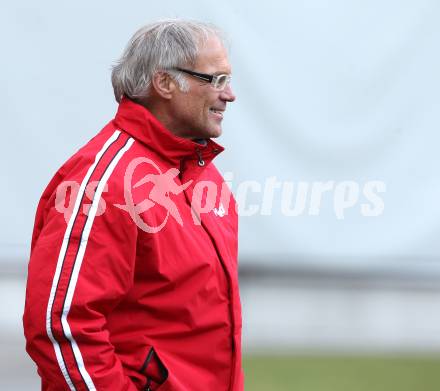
163	45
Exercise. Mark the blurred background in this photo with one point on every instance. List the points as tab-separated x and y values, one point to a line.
329	93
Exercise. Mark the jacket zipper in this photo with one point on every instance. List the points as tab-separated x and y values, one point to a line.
201	162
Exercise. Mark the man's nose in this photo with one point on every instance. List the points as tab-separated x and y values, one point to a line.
227	94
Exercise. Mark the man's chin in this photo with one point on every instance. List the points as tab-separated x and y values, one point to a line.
212	131
216	132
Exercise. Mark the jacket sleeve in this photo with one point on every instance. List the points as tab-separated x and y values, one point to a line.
81	266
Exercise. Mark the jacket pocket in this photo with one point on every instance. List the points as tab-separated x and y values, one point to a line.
154	370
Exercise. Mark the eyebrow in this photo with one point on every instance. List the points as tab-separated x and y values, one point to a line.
221	73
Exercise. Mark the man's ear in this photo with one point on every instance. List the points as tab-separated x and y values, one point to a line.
163	84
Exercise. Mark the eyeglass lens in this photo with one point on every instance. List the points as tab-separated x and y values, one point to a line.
222	81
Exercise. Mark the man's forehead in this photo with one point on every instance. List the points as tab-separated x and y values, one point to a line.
213	55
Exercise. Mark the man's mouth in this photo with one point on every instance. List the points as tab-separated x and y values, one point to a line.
217	112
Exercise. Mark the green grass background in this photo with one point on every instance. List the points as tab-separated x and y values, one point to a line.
328	373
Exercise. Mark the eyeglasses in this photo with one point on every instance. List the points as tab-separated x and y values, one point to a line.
219	82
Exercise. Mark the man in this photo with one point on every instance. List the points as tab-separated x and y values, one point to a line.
132	281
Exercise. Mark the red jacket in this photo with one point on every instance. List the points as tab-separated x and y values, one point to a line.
129	287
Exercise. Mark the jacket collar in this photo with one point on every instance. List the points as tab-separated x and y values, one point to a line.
140	124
